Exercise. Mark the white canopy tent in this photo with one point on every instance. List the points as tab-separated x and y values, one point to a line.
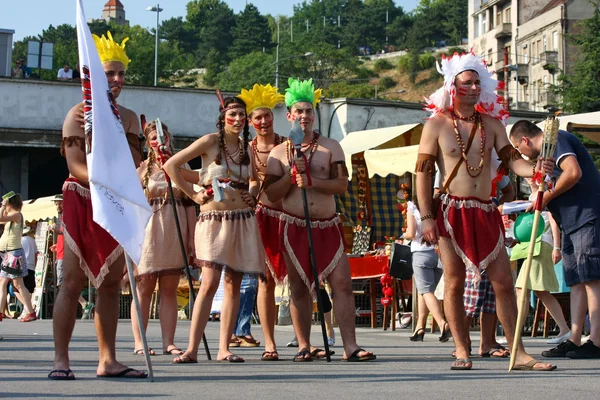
384	149
40	209
586	124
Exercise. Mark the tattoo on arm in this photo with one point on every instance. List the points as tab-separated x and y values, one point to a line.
335	171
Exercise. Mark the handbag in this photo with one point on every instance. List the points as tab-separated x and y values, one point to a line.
401	262
11	264
435	203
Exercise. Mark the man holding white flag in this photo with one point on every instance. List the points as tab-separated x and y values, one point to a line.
105	211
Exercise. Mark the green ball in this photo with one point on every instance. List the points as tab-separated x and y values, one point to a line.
524	226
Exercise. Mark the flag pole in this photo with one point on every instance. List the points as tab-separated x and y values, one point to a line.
138	310
164	152
548	146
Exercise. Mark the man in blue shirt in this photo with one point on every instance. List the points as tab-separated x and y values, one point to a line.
575	204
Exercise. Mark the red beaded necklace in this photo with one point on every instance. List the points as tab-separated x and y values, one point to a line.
278	140
310	149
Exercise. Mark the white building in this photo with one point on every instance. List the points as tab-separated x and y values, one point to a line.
526	40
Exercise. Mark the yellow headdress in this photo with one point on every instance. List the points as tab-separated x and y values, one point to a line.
260	96
109	50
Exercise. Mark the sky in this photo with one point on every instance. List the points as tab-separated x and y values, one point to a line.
31	17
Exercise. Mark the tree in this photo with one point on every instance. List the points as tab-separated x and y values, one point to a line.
251	33
581	87
211	22
245	71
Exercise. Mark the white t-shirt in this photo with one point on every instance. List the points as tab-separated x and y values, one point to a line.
416	244
65	75
30	249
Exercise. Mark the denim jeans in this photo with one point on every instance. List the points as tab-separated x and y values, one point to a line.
247	296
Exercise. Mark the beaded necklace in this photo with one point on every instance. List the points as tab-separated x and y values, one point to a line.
230	157
278	140
311	148
474	172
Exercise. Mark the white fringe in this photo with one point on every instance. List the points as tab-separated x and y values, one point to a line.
81	190
447	203
268	211
323	275
104	270
286	218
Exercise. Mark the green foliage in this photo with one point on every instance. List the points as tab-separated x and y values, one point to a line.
364	73
251	33
404	63
382	64
426	61
212	23
387	82
245	71
581	86
343	89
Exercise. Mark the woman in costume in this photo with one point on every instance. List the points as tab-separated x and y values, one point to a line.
13	257
227	236
542	278
427	273
161	255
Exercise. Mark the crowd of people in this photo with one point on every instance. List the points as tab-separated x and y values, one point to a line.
252	225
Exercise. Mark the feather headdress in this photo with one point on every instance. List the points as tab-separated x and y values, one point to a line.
109	50
261	96
302	91
489	102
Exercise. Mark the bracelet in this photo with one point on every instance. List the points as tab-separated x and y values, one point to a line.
557	248
533	173
428	216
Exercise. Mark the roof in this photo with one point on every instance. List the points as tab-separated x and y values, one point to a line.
551	4
379	139
114	3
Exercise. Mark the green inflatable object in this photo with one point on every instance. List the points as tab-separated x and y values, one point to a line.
524	226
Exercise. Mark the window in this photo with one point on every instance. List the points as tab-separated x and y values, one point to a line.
499	18
483	23
489	57
476	27
539	49
534	53
555	40
506	18
545	43
525	56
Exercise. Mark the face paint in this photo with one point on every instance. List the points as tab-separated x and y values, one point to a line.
462	91
232	121
264	125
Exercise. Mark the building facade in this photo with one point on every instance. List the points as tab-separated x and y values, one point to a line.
524	42
114	12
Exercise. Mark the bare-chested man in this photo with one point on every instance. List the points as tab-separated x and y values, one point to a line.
260	101
90	251
327	177
468	226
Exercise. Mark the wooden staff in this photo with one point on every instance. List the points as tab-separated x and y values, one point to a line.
550	137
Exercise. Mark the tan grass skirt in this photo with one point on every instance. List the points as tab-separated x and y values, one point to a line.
230	239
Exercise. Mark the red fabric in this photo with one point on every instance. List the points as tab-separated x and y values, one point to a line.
87	239
368	266
269	232
476	231
60	247
328	242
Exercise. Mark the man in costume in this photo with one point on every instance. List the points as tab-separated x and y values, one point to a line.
321	171
574	201
466	125
260	101
90	251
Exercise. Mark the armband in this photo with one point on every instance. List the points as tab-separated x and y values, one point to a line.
425	163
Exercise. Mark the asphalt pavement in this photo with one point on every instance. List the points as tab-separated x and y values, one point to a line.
403	369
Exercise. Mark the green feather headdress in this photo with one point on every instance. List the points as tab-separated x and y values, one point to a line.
302	91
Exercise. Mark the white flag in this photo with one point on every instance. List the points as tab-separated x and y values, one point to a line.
118	202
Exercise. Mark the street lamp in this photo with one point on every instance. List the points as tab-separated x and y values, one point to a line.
157	10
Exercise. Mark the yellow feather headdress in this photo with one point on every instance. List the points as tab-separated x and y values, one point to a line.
109	50
261	96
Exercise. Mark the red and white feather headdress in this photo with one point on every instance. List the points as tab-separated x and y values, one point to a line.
489	102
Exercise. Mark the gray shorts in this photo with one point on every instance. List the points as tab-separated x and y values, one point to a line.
59	272
425	271
581	254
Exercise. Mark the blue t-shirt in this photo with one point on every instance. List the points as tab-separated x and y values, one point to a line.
580	204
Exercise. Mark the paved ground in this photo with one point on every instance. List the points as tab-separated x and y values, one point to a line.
404	370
